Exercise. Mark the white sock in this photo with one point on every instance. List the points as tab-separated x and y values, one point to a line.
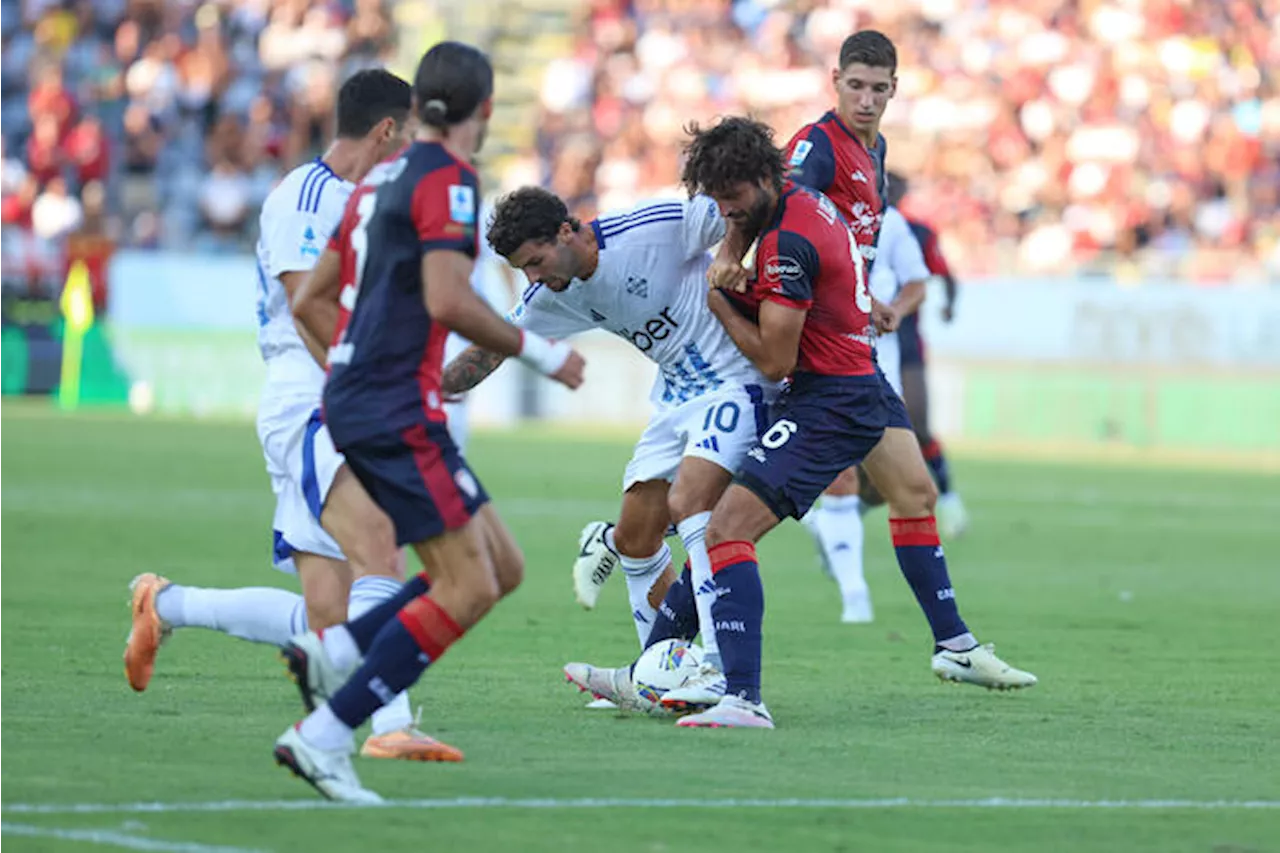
340	646
960	643
839	523
324	730
366	594
641	574
260	614
693	532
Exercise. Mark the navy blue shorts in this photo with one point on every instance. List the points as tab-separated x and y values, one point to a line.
910	346
821	426
419	479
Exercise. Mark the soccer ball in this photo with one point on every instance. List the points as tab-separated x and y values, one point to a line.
664	666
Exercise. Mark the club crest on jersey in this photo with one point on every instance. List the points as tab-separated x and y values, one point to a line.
637	286
802	149
783	268
462	204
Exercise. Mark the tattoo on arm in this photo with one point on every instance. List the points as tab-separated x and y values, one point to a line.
470	369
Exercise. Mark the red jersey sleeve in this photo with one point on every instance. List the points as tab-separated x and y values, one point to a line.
445	209
787	267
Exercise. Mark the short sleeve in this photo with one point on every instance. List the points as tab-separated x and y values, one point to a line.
787	268
703	225
811	161
538	312
445	211
294	240
905	259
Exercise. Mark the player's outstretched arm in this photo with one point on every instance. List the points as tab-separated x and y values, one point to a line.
450	299
472	366
774	345
314	302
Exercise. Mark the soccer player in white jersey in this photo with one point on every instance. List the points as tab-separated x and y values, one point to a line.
641	274
318	502
897	281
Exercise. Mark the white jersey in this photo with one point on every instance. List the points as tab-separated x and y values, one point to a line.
899	260
297	220
650	288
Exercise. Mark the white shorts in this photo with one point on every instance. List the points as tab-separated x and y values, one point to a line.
889	357
302	463
720	427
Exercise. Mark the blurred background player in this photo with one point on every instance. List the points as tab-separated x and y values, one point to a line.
414	247
953	518
318	502
641	274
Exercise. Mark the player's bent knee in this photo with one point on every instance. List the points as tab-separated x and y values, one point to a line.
914	498
633	542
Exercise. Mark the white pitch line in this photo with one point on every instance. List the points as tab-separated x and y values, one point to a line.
636	803
116	839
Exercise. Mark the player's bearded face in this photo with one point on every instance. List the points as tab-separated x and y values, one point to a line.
550	263
746	205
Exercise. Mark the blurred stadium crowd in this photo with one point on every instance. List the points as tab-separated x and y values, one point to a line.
1135	137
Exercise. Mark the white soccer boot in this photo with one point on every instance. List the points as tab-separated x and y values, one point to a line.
953	518
613	684
328	772
596	561
857	608
310	668
732	712
979	665
698	694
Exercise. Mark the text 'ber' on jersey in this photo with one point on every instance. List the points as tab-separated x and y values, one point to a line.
385	372
808	258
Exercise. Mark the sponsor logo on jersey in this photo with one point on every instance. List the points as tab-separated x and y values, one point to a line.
655	329
801	151
783	268
859	177
462	204
637	286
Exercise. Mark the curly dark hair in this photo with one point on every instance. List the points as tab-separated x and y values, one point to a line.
529	213
734	150
870	47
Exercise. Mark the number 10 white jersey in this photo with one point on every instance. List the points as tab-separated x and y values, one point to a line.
650	288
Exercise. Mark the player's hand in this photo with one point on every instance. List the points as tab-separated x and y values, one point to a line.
727	275
885	318
570	373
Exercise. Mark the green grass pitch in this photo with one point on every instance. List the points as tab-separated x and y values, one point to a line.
1146	601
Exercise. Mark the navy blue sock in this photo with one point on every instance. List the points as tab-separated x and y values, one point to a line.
923	565
677	616
937	463
365	628
738	613
402	651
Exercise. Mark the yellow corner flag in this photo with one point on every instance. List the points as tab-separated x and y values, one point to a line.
77	311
